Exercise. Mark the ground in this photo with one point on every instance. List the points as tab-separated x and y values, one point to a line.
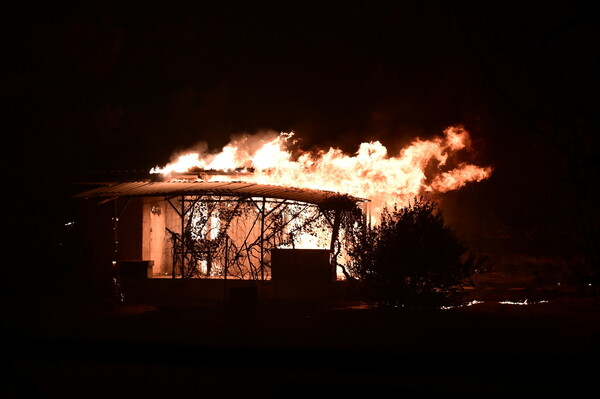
299	349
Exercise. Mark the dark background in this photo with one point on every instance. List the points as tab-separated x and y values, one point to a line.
122	86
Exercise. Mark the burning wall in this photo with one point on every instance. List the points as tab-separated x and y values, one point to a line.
212	236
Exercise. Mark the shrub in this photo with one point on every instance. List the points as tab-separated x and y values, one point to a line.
411	258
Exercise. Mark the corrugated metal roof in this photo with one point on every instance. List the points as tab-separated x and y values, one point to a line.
325	199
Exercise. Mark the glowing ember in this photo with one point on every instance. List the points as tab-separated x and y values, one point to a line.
476	302
421	167
521	303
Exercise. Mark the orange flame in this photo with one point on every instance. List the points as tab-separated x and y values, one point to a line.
370	173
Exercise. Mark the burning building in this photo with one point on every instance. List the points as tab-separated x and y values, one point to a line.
254	211
230	230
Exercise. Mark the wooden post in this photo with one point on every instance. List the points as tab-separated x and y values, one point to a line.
334	238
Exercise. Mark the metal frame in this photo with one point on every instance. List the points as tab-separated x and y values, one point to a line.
269	223
279	215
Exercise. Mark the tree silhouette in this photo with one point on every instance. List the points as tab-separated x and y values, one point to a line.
412	258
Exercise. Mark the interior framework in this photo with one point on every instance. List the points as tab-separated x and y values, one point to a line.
203	230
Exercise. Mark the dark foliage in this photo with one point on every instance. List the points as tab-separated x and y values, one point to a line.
411	258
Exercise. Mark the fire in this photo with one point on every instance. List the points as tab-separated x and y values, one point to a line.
421	167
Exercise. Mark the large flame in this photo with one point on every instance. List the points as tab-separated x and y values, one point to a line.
371	173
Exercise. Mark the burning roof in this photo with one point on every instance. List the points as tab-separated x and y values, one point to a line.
425	166
266	166
322	198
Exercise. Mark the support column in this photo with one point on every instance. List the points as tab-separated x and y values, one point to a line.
225	267
334	239
262	240
182	213
115	214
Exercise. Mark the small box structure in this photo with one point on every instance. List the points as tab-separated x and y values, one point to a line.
301	273
136	269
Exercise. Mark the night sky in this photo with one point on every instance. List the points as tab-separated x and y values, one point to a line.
123	85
